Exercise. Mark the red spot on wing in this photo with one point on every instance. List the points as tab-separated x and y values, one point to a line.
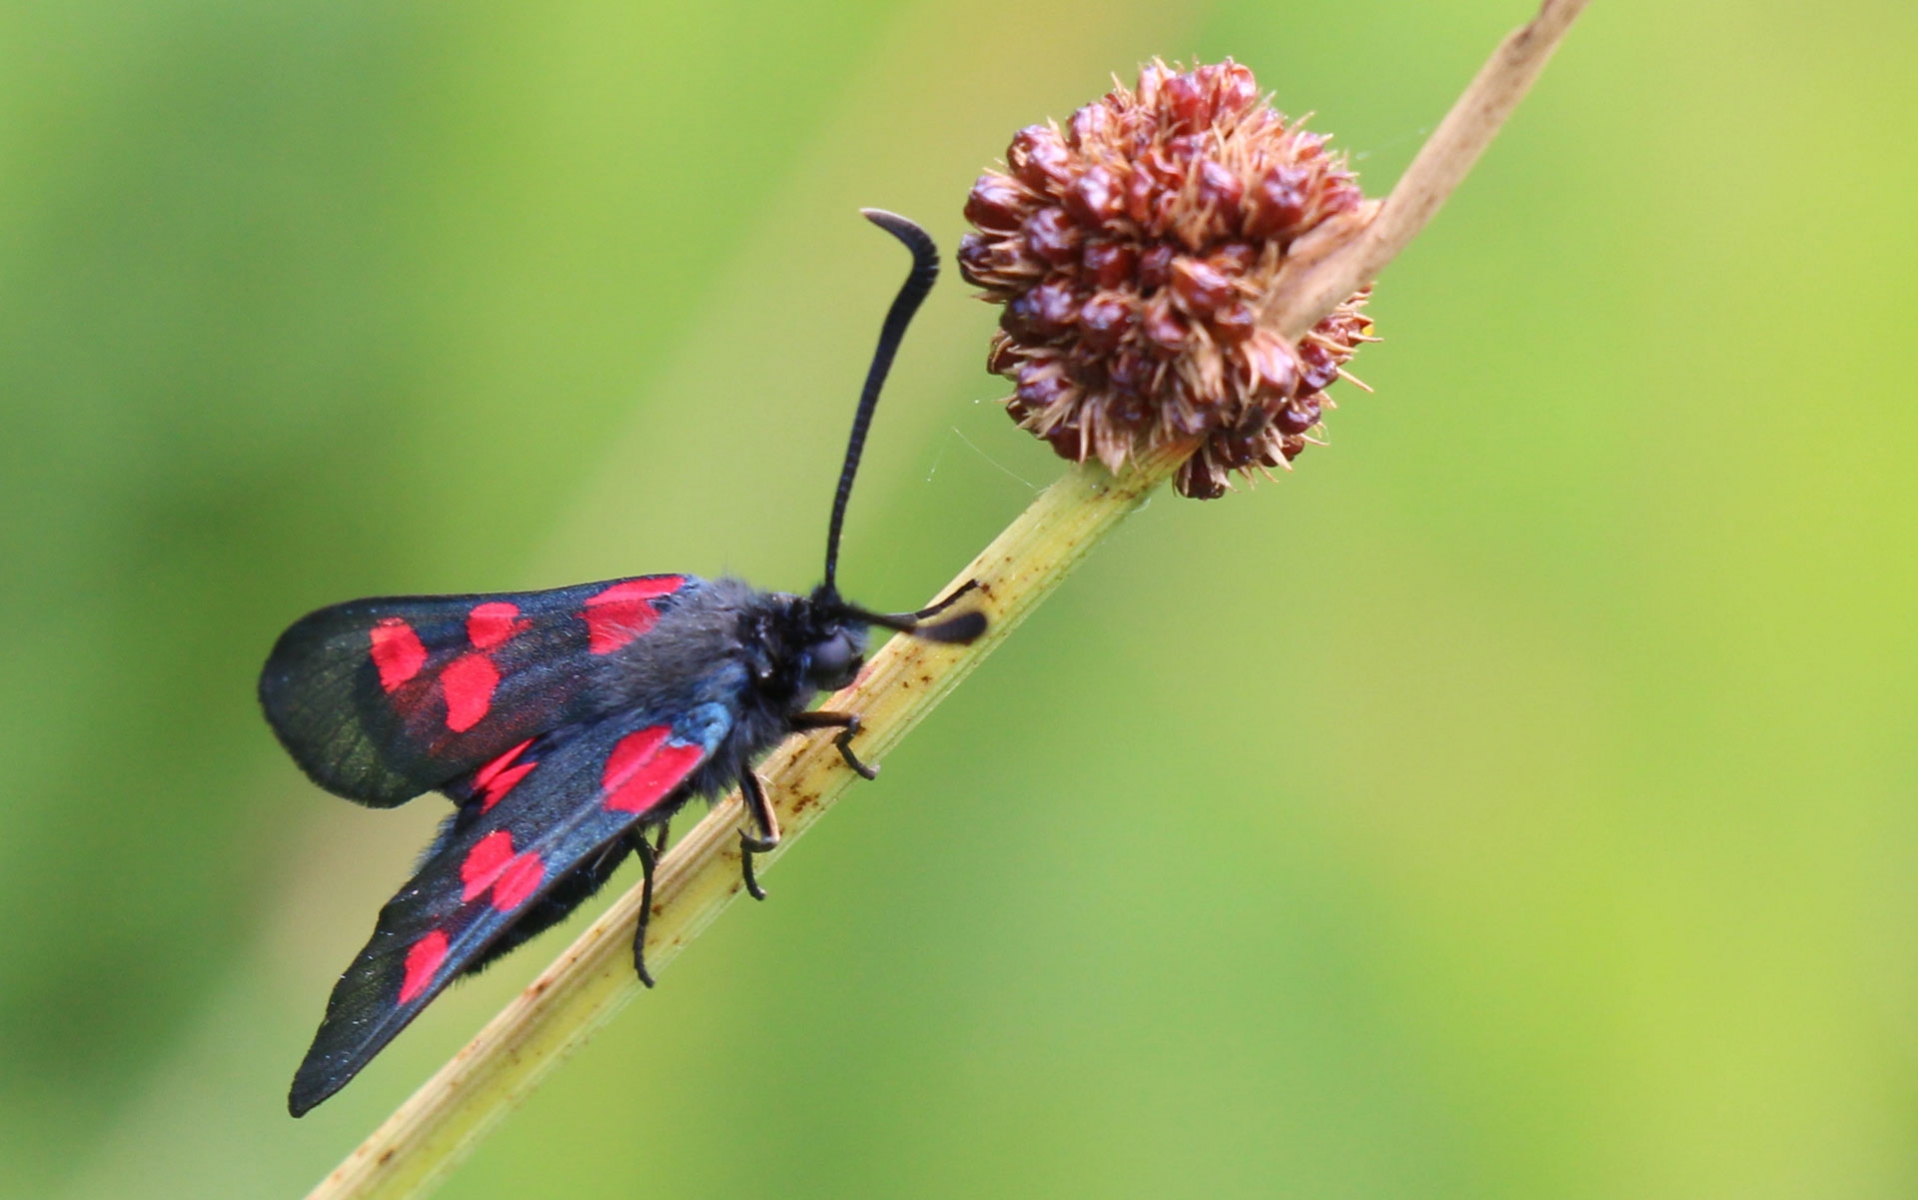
493	624
519	880
632	751
503	783
622	612
484	862
468	682
497	778
397	651
423	961
643	769
492	863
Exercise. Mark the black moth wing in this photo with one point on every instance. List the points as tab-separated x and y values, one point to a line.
380	700
530	824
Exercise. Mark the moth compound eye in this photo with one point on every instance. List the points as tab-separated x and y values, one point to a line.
834	662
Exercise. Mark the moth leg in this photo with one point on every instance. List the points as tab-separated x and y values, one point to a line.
942	605
768	823
648	858
848	725
659	843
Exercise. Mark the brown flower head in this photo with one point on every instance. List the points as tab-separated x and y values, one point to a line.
1133	251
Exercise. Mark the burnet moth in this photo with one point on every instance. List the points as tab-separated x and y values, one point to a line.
566	726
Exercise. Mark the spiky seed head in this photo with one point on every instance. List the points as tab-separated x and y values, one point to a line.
1133	251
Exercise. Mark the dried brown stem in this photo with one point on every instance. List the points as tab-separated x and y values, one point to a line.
1355	259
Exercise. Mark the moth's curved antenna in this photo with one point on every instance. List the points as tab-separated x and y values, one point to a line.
959	631
925	271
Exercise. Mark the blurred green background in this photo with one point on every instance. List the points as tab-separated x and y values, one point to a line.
1515	801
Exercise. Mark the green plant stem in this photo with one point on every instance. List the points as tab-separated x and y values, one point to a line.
454	1111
